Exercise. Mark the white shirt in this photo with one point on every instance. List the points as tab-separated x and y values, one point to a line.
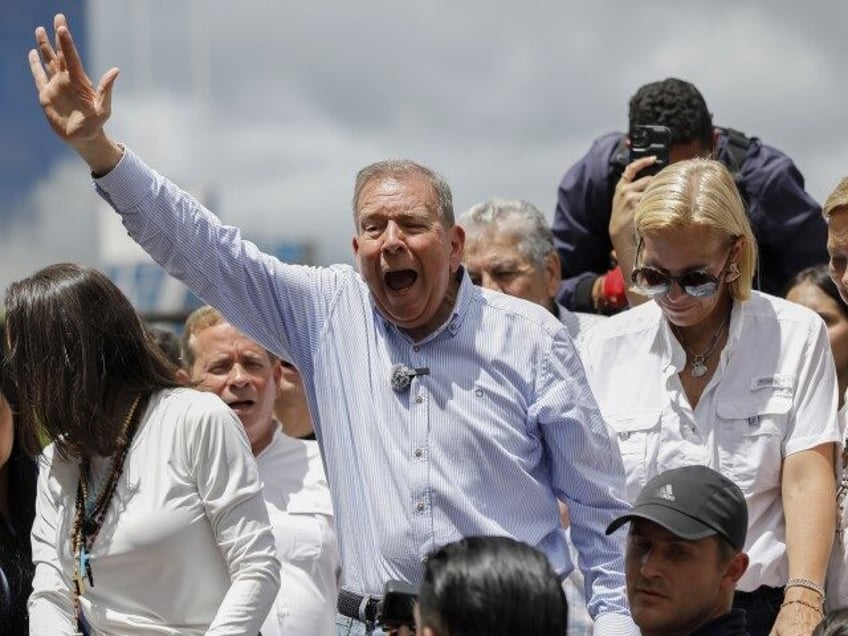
773	394
578	323
298	500
185	547
837	572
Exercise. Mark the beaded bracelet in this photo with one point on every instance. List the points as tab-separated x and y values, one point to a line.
818	610
807	584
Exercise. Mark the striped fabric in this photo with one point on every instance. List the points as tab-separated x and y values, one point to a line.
503	425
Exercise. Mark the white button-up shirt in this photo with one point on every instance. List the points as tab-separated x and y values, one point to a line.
773	394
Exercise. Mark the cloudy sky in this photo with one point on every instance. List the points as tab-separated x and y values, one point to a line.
267	109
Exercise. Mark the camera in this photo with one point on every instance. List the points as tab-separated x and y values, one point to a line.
647	141
396	608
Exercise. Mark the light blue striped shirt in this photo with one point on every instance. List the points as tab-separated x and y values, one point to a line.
503	425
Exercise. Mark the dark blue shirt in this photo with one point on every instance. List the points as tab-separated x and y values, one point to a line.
791	233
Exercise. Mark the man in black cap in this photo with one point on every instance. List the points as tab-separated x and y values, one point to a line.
684	554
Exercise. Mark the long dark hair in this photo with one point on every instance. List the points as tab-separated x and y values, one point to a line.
78	356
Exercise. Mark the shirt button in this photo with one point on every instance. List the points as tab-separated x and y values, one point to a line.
418	452
416	348
420	507
419	399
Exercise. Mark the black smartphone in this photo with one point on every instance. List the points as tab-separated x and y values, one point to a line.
396	608
647	141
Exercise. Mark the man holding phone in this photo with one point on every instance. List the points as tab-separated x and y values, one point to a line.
598	195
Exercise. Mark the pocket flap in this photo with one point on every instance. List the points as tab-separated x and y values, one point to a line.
754	404
624	424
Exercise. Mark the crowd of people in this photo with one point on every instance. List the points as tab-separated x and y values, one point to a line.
629	420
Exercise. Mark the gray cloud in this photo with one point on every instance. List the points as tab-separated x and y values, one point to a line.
272	107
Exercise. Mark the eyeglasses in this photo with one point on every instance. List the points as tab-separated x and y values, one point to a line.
654	282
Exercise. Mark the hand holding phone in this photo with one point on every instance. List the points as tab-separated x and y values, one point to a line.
647	141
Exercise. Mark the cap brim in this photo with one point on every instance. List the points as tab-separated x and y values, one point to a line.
676	522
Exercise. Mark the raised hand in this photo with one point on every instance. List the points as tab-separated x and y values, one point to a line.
75	109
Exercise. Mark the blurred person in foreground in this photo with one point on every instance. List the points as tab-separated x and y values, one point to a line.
149	513
510	248
485	586
221	359
716	374
598	195
685	554
442	410
835	212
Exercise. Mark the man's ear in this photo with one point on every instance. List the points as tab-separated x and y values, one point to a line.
737	566
277	375
553	273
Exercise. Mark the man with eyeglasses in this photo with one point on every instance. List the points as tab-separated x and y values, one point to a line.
598	194
715	374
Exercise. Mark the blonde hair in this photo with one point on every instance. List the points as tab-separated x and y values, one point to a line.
837	199
199	320
700	192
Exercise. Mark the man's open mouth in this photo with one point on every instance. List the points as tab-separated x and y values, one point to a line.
240	404
401	279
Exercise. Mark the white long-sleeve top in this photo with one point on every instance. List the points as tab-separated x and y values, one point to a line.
185	548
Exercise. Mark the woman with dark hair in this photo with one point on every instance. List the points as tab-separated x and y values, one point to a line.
149	511
479	586
814	289
17	508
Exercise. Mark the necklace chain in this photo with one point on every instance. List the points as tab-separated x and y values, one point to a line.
89	513
699	368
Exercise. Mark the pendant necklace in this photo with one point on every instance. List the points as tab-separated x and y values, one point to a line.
89	512
699	368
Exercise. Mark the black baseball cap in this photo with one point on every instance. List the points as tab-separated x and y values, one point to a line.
692	502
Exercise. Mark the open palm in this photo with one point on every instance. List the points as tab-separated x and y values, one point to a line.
74	108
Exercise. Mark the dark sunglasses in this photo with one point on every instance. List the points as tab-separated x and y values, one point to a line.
653	282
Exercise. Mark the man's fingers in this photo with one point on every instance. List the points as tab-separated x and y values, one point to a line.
44	46
38	73
69	53
104	90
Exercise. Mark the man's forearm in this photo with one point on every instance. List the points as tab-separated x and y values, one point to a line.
101	154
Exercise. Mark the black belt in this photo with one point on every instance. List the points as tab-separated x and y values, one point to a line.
362	608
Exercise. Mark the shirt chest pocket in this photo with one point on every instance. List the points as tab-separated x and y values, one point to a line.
750	431
636	434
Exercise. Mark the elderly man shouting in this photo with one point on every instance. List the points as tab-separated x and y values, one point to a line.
442	410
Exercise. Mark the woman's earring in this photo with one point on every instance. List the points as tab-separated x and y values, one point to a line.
732	273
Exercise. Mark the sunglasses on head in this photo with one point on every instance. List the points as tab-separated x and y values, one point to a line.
654	282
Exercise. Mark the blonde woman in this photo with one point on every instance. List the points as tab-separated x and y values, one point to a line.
713	373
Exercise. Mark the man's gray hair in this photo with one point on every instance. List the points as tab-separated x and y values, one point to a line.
399	168
522	219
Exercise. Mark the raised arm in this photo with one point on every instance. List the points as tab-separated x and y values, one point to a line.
75	109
